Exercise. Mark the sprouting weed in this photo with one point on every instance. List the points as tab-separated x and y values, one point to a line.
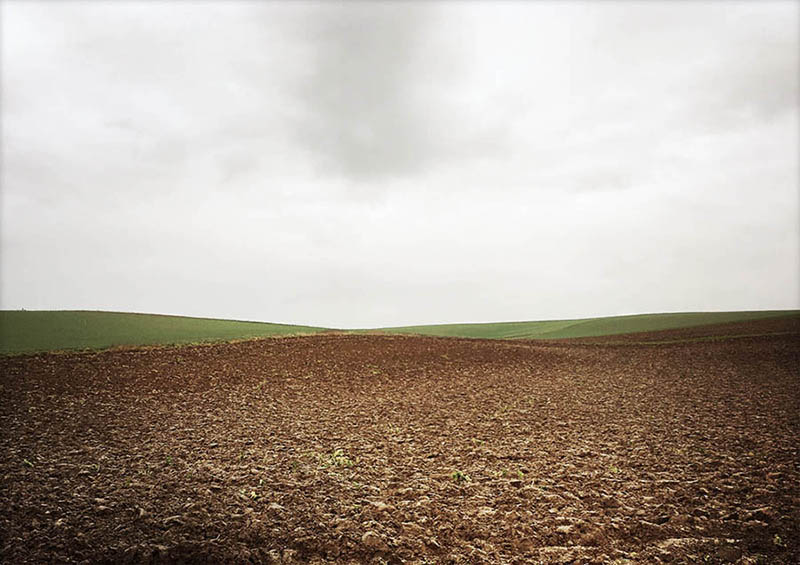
460	477
336	459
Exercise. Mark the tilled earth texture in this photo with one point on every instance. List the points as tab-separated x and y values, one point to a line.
404	449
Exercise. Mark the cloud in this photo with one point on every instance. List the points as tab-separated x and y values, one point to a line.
707	64
383	97
361	117
367	163
757	77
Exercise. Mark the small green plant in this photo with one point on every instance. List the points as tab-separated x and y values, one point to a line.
503	473
460	477
614	469
336	459
340	459
169	460
778	540
28	463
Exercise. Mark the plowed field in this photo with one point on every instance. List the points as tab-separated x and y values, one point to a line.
392	449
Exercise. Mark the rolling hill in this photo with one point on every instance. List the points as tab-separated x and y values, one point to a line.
43	330
589	327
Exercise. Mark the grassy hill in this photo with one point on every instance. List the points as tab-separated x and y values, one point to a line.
589	327
30	331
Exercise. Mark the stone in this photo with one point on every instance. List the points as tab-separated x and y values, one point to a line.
763	514
173	519
729	554
412	529
373	541
380	507
609	501
681	520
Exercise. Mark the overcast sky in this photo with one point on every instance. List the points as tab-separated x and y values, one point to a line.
375	164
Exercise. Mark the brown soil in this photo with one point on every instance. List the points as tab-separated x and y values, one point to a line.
391	449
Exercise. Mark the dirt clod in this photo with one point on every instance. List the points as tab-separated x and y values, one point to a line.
373	541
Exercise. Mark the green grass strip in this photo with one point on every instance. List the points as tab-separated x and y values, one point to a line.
32	331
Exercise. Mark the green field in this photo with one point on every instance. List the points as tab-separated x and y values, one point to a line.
589	327
30	331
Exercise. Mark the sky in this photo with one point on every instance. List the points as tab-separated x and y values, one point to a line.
369	164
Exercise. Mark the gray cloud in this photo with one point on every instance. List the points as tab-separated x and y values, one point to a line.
373	164
378	94
721	63
362	118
